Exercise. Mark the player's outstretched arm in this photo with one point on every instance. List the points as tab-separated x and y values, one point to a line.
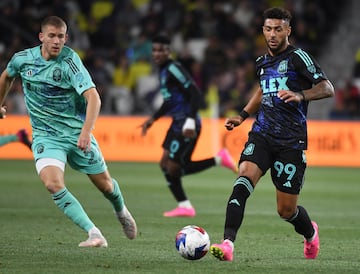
146	125
5	84
251	107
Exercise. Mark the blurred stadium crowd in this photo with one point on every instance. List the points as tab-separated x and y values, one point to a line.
216	40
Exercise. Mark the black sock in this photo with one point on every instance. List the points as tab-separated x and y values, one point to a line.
302	223
175	186
242	189
197	166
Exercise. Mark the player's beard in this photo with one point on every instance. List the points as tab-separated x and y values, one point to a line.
282	45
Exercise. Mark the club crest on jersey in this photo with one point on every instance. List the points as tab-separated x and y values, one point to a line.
283	67
40	148
57	75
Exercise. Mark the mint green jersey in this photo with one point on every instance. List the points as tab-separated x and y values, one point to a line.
53	90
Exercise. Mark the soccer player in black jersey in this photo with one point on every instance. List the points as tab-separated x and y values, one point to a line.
181	102
288	79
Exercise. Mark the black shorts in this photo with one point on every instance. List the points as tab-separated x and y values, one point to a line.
287	165
180	148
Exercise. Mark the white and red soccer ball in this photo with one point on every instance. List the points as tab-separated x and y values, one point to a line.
192	242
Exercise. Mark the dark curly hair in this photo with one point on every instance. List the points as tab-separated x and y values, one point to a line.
277	13
161	39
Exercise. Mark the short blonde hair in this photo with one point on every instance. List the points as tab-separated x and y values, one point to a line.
53	21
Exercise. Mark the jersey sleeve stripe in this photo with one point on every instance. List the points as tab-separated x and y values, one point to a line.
72	65
305	57
20	53
177	73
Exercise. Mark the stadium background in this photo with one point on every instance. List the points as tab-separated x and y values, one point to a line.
216	40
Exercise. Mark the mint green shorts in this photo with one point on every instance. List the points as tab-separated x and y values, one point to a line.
66	150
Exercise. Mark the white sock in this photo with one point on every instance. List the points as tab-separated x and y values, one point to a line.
185	204
312	238
218	160
230	242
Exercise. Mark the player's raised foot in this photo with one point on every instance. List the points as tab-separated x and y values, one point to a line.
23	137
94	240
311	249
223	251
181	212
226	160
128	223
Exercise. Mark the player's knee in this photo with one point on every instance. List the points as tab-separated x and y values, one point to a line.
174	173
102	181
286	212
53	186
173	169
107	187
162	165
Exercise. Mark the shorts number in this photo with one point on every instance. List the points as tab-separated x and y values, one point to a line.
174	147
288	169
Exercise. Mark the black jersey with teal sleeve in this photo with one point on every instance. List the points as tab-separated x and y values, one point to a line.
285	123
181	96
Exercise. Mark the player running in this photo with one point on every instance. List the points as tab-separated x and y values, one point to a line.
181	102
63	105
288	79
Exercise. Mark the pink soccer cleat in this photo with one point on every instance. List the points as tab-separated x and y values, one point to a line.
23	137
181	212
311	249
223	251
226	160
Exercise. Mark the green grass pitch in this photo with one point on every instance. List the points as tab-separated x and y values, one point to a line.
37	238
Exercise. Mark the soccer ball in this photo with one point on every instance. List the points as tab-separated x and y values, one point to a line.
192	242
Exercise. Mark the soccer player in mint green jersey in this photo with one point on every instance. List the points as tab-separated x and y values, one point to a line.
63	105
